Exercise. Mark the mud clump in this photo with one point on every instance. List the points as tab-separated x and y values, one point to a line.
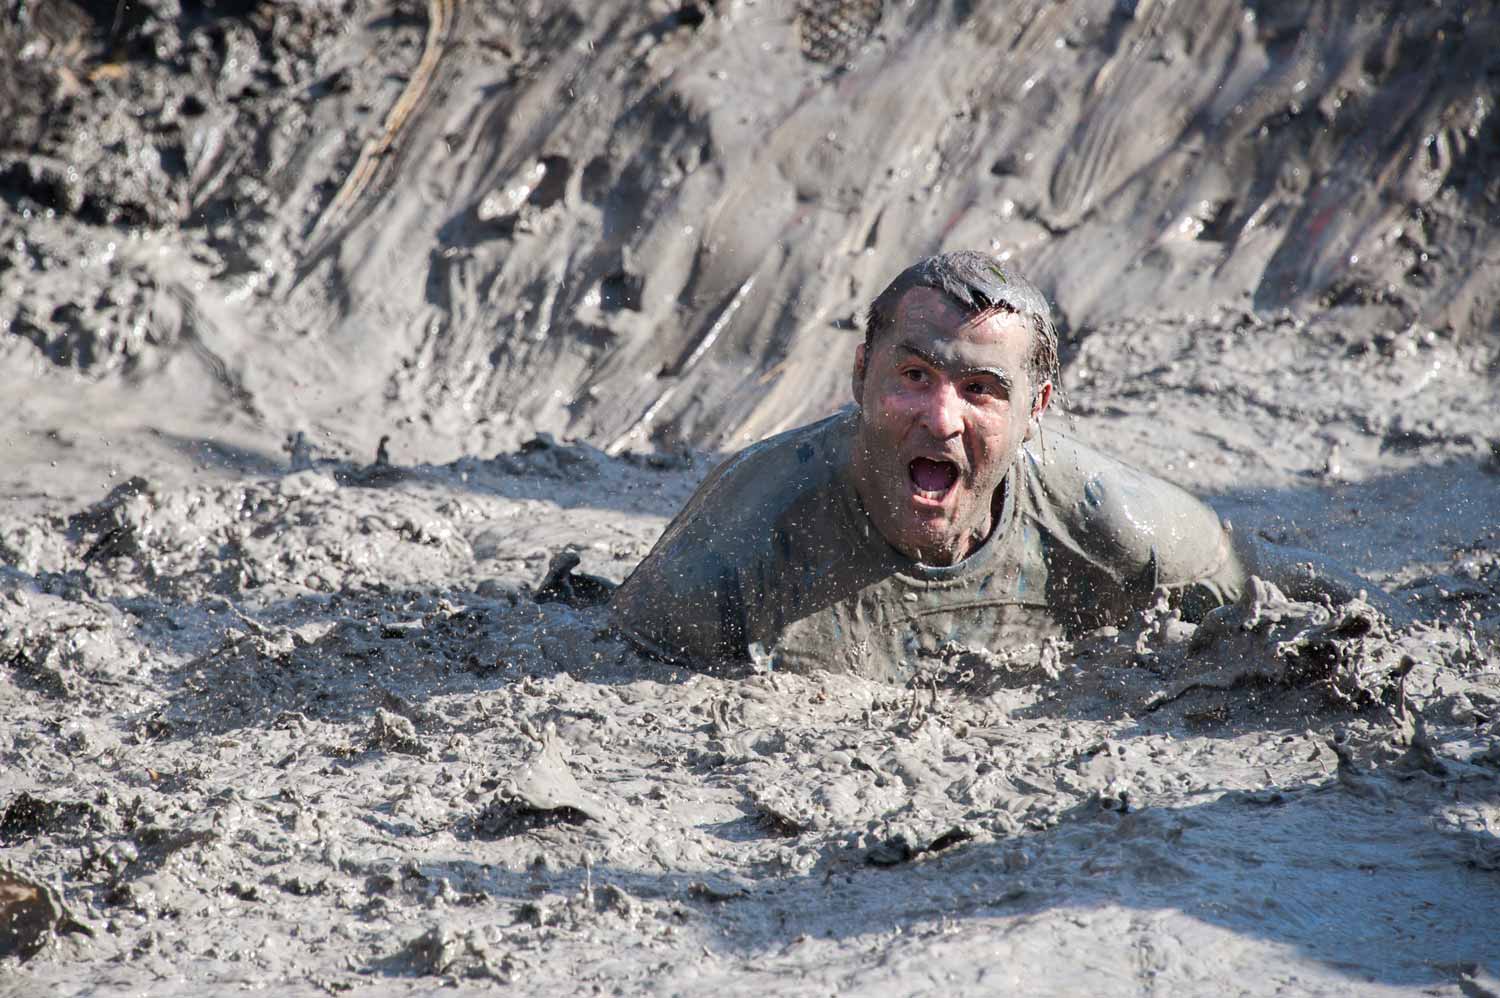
542	792
440	952
30	915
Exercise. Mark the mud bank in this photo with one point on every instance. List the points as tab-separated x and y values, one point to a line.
484	219
283	715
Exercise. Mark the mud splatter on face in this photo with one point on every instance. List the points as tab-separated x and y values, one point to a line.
943	399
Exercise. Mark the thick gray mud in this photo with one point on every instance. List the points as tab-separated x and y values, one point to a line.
313	735
279	716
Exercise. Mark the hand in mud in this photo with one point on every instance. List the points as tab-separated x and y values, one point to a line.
1311	578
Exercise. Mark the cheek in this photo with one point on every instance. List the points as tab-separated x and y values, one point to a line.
895	405
996	438
882	421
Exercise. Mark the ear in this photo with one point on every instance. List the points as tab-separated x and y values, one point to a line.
857	378
1043	399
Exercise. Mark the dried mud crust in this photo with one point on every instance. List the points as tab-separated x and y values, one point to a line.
227	774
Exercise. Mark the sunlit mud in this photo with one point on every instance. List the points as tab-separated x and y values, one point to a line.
283	715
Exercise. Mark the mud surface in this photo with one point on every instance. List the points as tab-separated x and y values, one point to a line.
279	715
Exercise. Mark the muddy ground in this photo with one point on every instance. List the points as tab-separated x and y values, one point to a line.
279	714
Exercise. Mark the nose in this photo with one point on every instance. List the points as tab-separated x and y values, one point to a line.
942	411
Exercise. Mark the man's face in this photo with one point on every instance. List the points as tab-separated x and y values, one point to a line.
945	402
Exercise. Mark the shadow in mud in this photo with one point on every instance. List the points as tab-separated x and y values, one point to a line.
1383	524
224	456
1362	884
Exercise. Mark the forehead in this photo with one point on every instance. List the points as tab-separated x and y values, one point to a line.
930	319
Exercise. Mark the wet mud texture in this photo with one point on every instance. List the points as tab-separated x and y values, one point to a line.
332	337
317	735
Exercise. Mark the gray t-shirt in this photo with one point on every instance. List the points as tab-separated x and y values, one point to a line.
775	548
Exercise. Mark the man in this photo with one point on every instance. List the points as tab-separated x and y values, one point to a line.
934	510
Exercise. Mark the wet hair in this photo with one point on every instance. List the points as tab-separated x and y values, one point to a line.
982	285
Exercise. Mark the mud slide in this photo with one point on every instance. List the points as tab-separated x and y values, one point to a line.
331	333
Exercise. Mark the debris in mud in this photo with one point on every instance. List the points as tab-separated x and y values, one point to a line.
898	848
544	457
377	474
562	584
31	914
299	451
391	731
542	792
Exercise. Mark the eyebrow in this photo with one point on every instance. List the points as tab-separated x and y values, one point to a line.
997	373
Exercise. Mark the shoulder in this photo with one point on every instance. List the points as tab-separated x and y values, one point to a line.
754	489
785	465
1125	520
687	596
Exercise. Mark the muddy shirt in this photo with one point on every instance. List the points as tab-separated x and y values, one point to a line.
775	548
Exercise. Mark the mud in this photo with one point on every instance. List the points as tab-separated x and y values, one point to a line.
333	336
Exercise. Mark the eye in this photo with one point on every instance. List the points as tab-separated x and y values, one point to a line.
914	374
988	389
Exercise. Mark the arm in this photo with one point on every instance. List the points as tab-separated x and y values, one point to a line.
685	607
684	602
715	580
1147	532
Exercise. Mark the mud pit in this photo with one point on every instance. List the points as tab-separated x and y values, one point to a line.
307	729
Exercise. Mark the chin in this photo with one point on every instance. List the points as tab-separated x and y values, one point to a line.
914	543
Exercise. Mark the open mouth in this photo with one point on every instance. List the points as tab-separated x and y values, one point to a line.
931	479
